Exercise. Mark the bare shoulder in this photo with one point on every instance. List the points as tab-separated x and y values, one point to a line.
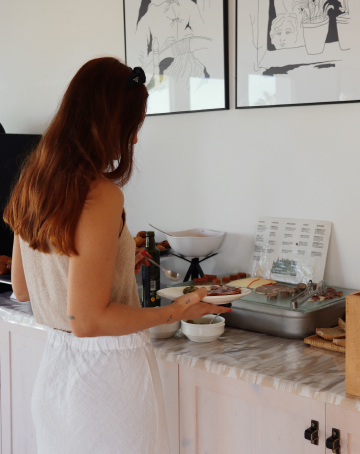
102	212
103	195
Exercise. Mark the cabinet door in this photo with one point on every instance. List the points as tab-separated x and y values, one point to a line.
169	373
21	349
348	422
220	415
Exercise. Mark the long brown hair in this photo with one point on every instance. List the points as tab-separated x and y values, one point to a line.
91	135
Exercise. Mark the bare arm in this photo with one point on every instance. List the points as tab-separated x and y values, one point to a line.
17	273
89	311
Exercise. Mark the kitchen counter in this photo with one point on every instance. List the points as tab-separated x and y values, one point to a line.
278	363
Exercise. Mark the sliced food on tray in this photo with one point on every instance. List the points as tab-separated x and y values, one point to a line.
252	282
218	290
341	342
331	333
342	324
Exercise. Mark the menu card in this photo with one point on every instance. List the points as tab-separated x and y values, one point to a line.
290	250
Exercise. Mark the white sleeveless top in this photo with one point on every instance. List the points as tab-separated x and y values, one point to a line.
46	278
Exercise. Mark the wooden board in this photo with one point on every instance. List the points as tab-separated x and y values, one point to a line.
317	341
352	363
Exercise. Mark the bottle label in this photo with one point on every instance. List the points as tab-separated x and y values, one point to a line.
152	286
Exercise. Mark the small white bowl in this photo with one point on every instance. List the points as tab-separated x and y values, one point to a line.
201	330
164	331
195	242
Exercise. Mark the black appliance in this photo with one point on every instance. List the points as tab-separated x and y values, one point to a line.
13	150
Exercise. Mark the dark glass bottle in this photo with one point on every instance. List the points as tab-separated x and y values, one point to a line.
151	274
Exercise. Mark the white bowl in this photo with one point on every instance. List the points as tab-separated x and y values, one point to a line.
201	330
164	331
195	242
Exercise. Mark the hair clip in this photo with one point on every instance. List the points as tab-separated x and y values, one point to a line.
137	77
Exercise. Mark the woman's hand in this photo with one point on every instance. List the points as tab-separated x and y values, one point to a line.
190	306
140	259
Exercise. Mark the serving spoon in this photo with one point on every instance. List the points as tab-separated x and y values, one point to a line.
216	315
162	231
173	275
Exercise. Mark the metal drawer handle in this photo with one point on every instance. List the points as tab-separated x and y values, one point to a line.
312	433
333	442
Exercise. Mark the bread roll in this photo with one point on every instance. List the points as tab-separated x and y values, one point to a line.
139	241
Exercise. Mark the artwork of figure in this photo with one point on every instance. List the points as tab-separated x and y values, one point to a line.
307	47
168	37
172	42
284	31
291	24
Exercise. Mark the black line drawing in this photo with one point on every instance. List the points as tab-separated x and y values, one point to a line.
294	52
302	27
172	43
170	33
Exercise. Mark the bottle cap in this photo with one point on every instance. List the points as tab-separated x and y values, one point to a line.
150	233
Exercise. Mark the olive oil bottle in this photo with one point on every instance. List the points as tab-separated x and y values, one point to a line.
151	274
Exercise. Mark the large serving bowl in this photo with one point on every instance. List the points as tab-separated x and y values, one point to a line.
200	329
195	242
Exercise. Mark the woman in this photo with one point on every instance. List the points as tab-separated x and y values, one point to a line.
98	388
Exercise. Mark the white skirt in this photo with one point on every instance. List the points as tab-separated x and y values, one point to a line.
99	395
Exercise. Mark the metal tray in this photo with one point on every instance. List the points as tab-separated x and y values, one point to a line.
281	322
254	312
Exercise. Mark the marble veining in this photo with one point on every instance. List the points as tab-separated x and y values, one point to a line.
279	363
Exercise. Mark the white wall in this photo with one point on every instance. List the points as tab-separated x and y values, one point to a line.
218	170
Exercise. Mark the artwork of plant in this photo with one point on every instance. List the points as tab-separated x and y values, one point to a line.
316	10
345	7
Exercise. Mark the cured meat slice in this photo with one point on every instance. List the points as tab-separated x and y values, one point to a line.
219	290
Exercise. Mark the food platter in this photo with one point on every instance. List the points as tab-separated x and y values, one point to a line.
171	293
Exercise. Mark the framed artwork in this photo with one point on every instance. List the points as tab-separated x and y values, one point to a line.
182	46
294	52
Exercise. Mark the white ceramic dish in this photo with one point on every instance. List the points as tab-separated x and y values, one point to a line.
195	242
171	293
202	331
164	331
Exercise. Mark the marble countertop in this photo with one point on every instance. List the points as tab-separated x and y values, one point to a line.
279	363
285	364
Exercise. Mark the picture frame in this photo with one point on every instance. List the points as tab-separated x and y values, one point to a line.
296	52
182	45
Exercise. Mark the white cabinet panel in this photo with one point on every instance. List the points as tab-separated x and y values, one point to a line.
348	422
169	373
228	416
21	349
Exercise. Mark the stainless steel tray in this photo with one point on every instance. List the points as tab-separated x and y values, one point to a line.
254	312
282	322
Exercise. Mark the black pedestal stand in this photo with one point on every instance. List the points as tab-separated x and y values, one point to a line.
194	269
